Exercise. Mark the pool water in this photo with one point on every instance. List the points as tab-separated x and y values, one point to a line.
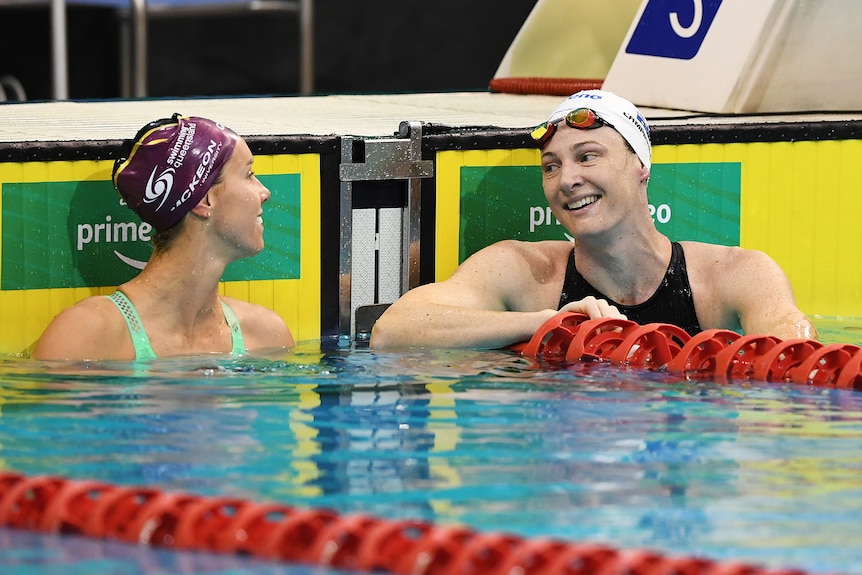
764	473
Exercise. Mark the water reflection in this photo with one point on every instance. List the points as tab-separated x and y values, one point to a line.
485	439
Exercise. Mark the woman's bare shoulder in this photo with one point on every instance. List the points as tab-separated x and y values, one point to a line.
261	326
548	252
507	275
93	328
716	258
95	312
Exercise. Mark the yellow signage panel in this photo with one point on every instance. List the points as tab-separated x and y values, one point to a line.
65	235
796	201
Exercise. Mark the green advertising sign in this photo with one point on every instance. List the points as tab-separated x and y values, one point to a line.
693	201
80	234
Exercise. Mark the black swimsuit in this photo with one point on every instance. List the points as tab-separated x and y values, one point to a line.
671	303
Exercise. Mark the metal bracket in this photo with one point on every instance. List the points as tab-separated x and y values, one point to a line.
385	159
391	158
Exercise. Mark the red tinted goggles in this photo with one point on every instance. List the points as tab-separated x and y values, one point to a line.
581	118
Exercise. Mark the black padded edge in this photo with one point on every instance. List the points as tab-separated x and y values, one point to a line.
109	149
442	138
439	138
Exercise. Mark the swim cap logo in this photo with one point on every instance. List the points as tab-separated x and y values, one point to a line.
201	173
159	187
642	122
639	123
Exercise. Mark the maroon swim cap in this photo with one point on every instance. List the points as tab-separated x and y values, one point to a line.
171	166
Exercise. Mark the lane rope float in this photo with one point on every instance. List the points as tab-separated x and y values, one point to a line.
719	354
180	521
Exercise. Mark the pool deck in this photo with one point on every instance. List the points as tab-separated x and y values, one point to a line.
343	115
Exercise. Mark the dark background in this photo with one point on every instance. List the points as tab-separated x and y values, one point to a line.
361	46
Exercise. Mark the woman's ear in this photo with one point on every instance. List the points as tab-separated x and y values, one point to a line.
645	173
204	208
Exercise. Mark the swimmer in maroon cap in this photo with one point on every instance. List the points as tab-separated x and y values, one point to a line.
192	180
171	166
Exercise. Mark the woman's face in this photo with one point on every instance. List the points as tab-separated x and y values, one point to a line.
237	203
592	180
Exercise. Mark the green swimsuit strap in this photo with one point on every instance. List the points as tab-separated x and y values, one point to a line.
237	342
143	349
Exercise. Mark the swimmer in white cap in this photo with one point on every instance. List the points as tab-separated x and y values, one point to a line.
596	160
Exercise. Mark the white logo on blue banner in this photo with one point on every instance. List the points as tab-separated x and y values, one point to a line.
673	28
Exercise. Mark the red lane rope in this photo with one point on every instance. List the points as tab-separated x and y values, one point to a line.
148	516
718	354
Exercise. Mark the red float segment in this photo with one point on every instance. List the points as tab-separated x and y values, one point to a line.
697	356
552	338
251	532
652	345
435	553
358	542
537	557
130	514
485	553
70	509
736	361
778	363
390	545
596	339
823	366
850	376
339	544
295	536
24	500
205	522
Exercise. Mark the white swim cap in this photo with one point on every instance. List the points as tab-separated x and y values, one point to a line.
616	111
